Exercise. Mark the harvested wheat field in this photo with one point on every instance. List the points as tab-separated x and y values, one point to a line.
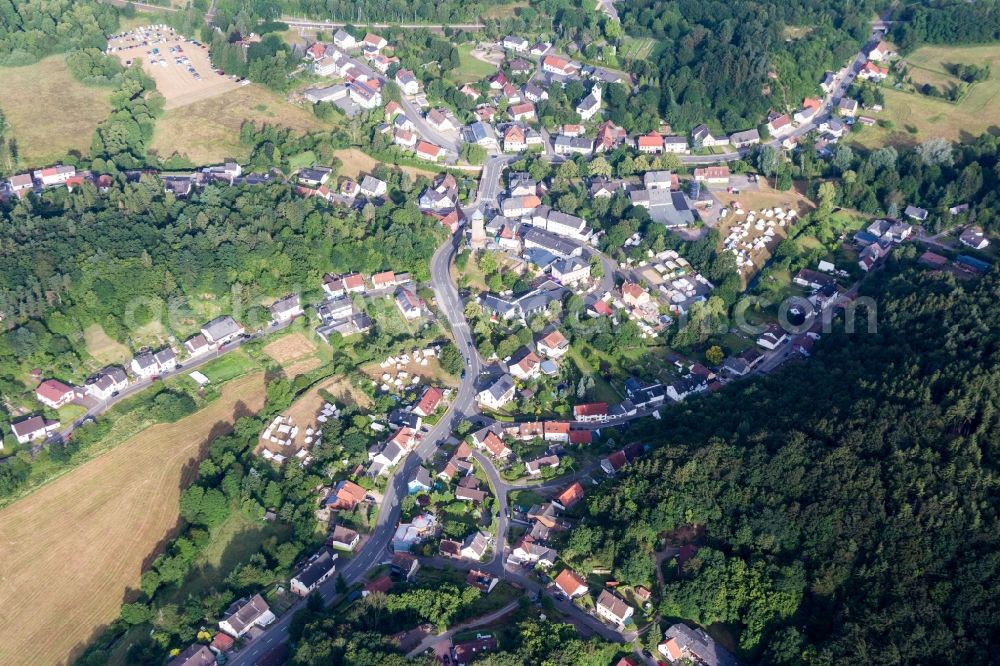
74	549
290	348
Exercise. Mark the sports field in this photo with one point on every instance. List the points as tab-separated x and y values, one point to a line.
45	138
208	131
73	551
915	117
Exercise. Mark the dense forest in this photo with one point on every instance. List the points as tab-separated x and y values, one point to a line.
849	505
729	63
947	22
32	29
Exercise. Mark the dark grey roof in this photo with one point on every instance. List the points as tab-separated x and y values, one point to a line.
324	563
501	386
219	328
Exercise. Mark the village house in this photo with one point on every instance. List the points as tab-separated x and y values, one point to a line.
973	237
872	72
246	614
373	41
54	175
197	345
428	151
613	608
778	123
496	447
848	107
365	94
344	538
475	546
319	568
527	366
553	344
286	308
514	140
410	305
32	429
772	337
569	497
650	144
407	82
878	52
609	137
634	295
194	655
106	383
571	584
53	393
712	175
515	43
684	644
373	187
221	331
570	270
344	40
149	364
498	394
591	412
555	65
522	111
702	136
345	496
534	467
429	401
744	139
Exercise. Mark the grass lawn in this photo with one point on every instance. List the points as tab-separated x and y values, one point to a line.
469	68
383	311
504	11
208	132
356	162
43	138
603	391
227	367
103	348
917	117
637	48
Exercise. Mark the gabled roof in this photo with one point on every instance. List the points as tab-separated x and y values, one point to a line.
570	582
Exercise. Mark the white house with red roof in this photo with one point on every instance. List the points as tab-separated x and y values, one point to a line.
591	412
54	175
428	151
429	401
556	65
53	393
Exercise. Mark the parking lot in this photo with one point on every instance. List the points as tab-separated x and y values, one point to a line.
180	67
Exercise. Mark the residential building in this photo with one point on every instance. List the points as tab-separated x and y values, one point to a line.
54	175
286	308
344	538
428	151
498	394
778	123
194	655
345	496
53	393
683	643
364	95
878	52
571	584
429	401
651	143
514	140
609	137
847	107
555	65
678	145
515	43
974	237
319	568
772	337
344	40
915	213
526	366
106	383
744	139
553	344
32	429
534	467
246	614
410	305
712	175
373	187
702	136
634	295
522	111
475	546
407	82
685	386
570	270
591	412
374	41
568	145
221	331
613	608
197	345
569	497
872	72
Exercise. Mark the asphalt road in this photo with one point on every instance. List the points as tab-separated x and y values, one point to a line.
138	386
